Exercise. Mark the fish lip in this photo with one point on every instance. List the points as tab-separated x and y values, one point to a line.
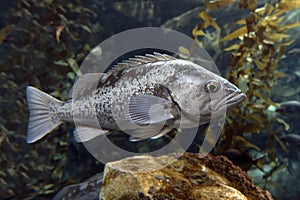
230	101
235	98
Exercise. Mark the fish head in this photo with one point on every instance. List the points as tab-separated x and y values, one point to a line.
201	94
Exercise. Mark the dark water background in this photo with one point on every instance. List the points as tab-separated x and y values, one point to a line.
31	54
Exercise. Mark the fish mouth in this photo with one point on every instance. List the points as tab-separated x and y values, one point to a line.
230	101
234	99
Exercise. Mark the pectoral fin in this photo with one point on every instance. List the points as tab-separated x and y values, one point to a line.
147	109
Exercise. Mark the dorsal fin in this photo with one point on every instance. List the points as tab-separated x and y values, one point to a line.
85	84
140	60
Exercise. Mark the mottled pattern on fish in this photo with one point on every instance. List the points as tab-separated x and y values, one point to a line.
139	95
116	89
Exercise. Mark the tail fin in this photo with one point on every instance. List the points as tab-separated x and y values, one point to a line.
40	122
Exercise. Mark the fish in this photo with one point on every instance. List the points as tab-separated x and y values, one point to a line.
294	52
145	96
291	140
289	108
88	189
183	19
243	159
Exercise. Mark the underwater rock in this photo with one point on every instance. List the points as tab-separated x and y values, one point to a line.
189	177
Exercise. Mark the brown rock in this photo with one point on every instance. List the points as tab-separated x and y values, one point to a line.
189	177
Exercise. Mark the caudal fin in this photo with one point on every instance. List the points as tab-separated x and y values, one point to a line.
40	122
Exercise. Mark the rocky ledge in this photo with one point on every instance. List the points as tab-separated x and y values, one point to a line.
189	177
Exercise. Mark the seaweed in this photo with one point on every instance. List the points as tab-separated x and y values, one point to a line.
42	45
257	45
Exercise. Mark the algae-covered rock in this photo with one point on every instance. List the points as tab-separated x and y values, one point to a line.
189	177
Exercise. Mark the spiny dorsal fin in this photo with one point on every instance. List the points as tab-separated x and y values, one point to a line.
85	85
140	60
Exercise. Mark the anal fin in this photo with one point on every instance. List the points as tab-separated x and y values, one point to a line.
162	132
142	136
84	133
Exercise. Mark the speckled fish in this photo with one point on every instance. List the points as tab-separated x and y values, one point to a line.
89	189
289	108
145	96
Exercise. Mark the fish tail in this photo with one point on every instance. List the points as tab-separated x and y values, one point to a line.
40	122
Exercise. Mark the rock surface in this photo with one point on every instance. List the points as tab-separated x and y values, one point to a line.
189	177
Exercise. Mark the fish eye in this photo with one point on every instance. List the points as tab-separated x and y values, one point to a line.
212	87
